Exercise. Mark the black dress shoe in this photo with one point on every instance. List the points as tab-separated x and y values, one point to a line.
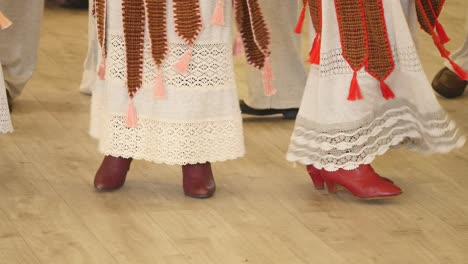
448	84
289	113
73	3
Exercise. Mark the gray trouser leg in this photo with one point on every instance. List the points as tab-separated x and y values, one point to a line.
19	43
286	59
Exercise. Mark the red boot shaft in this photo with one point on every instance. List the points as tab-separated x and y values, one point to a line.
198	180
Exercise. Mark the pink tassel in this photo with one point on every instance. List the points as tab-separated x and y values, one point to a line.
183	65
159	91
131	121
238	48
4	21
441	33
218	15
386	91
300	23
355	90
314	55
268	78
102	69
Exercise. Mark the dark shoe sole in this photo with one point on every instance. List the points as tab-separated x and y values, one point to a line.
209	195
102	189
288	114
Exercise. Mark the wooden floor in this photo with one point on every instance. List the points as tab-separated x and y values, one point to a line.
265	210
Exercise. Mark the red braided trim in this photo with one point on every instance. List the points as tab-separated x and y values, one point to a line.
380	63
351	22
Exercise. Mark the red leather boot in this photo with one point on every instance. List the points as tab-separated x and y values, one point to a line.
316	176
362	182
198	180
112	173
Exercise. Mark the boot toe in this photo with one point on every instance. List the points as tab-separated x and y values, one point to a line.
387	189
448	84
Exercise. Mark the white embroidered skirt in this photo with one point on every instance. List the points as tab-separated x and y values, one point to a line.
334	133
198	121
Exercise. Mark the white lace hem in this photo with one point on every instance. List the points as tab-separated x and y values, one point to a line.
349	145
172	142
5	120
5	128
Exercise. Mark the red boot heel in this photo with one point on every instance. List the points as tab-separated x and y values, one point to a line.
331	186
315	175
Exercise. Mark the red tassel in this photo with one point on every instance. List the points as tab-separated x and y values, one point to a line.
441	33
355	90
462	74
387	93
314	54
268	78
159	91
4	21
300	23
102	69
183	65
218	15
131	120
444	53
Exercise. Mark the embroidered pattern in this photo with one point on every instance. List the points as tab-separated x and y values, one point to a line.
210	67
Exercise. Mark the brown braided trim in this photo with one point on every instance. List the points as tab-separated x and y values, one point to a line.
259	28
255	56
380	62
315	9
100	10
352	27
133	12
187	18
425	23
426	16
428	12
437	5
156	13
